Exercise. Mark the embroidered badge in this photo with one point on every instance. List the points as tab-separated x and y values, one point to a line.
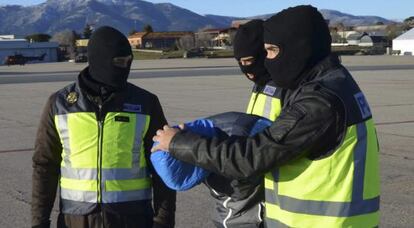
269	90
72	97
132	108
124	119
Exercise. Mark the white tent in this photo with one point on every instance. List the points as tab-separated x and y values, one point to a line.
404	43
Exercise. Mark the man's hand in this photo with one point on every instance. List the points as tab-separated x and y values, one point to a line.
164	137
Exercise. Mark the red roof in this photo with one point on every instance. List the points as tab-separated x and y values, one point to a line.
137	35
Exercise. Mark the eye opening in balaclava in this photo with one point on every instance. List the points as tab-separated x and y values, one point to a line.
279	51
106	48
303	37
122	61
247	65
249	42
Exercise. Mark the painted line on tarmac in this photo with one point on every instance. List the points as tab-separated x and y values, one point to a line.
10	73
133	75
350	68
392	105
393	123
16	150
167	73
380	68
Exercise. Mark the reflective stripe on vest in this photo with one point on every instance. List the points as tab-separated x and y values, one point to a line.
106	165
337	191
263	105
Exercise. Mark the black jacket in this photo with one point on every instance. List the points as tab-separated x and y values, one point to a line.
48	148
311	121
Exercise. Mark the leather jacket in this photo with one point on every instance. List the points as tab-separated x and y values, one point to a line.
311	124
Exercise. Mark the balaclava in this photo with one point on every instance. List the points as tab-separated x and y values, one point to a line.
303	37
105	47
249	42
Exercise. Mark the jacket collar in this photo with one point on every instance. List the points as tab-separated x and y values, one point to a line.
115	98
318	71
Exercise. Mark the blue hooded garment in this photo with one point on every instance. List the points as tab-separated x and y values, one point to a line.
182	176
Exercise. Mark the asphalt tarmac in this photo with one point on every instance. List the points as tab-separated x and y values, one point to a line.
189	89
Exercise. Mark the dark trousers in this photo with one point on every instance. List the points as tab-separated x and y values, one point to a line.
105	220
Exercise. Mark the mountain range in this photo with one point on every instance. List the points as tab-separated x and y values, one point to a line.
56	15
336	17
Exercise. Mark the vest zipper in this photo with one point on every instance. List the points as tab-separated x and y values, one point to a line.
100	142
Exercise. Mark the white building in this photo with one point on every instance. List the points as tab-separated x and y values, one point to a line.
404	43
10	37
9	47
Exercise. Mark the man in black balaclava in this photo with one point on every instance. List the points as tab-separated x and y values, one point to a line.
320	157
249	51
244	209
94	142
302	39
250	55
110	58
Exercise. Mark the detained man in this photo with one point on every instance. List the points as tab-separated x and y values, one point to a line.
238	202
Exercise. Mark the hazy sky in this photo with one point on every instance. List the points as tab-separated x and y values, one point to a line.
390	9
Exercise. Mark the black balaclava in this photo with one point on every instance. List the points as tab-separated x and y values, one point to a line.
105	44
249	42
303	37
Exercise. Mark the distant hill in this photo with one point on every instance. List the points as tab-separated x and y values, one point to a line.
226	21
57	15
336	17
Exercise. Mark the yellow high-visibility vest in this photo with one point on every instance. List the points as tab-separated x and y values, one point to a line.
265	102
103	154
341	189
103	161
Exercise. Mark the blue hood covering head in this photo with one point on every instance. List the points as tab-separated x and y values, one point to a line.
182	176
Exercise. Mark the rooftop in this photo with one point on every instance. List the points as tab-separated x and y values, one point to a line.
137	35
175	34
166	34
409	35
18	43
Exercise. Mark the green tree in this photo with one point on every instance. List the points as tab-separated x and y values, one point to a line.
409	21
67	41
87	31
394	30
340	29
379	23
38	37
148	28
336	38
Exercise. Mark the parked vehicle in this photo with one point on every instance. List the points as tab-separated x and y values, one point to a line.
195	52
81	58
19	59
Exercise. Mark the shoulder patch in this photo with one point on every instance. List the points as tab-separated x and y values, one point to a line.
363	105
132	108
72	97
269	90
